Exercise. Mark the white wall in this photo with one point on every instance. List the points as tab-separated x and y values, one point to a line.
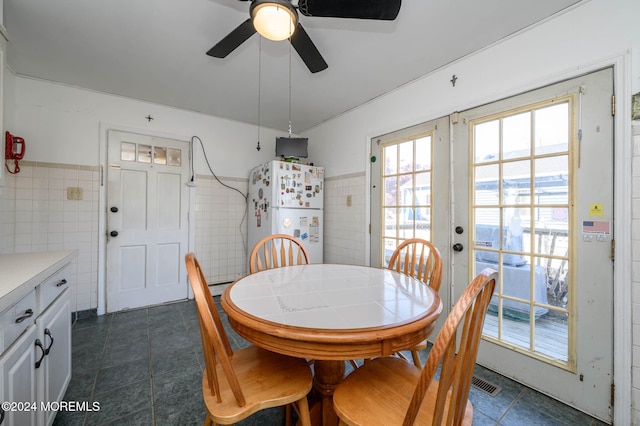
61	125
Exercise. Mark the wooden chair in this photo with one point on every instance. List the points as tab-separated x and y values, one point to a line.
275	251
392	391
237	384
420	259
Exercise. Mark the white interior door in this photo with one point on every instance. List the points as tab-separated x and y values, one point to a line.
533	189
147	232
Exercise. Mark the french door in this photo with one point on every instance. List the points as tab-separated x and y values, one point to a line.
527	190
406	166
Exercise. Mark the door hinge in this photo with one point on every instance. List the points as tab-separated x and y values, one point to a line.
613	105
613	394
369	229
612	256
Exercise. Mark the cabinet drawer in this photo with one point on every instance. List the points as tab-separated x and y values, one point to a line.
15	320
53	286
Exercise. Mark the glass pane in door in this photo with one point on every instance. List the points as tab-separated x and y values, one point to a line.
406	202
520	215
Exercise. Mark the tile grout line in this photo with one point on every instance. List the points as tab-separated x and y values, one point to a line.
513	403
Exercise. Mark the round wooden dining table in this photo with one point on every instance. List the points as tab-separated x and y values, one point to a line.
331	313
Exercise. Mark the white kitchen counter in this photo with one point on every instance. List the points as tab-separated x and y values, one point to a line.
22	272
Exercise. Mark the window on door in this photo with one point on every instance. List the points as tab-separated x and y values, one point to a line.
520	166
406	180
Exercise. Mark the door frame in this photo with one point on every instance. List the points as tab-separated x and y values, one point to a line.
622	193
102	203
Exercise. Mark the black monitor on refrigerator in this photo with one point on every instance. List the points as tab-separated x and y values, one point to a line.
291	147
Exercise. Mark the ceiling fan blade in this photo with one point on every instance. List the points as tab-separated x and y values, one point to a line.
308	52
386	10
234	39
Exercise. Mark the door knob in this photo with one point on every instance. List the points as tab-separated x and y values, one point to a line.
113	233
457	247
114	210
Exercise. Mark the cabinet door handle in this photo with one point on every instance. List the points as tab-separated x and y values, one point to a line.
27	314
47	332
62	282
39	344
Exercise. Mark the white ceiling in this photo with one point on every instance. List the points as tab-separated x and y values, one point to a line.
154	50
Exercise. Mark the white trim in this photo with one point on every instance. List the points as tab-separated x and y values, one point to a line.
622	280
367	201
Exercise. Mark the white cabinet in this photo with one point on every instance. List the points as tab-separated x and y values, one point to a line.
19	382
35	350
54	372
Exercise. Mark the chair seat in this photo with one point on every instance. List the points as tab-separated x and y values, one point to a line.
380	391
258	369
420	346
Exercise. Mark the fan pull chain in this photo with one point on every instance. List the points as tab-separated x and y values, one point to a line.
259	79
290	87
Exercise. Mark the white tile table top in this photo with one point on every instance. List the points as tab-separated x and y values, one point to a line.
325	296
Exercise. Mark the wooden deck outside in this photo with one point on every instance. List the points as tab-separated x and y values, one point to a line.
551	334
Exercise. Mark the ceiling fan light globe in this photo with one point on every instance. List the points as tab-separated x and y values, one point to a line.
273	20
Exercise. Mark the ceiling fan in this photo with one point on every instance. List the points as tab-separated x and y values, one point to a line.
266	13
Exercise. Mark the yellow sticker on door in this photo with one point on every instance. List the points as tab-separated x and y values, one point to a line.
595	210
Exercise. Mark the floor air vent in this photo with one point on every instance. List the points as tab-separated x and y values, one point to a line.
485	386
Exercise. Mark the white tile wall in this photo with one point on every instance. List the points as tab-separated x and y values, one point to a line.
35	215
635	253
221	228
7	213
344	227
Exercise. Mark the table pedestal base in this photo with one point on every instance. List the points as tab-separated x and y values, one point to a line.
328	375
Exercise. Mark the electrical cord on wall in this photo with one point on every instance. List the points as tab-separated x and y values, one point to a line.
245	196
204	153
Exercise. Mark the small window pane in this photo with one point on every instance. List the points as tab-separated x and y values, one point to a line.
489	219
390	223
128	151
406	190
487	141
391	159
552	180
551	231
406	157
423	153
423	189
487	191
144	153
159	155
513	235
552	129
389	248
516	182
391	191
174	156
516	136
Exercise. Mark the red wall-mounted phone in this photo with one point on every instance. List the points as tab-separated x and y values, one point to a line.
13	150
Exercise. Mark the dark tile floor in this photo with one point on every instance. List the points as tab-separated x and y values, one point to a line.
144	367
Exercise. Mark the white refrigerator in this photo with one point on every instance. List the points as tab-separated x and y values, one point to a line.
287	198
